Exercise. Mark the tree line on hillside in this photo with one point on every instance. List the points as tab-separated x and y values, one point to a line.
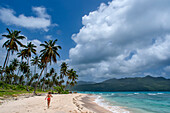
147	83
20	73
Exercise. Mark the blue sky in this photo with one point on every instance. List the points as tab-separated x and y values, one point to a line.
101	39
66	14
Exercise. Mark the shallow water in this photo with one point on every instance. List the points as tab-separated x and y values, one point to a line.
137	102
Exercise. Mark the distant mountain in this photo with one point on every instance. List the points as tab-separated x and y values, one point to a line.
147	83
84	82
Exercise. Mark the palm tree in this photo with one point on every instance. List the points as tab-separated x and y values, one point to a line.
11	44
51	71
16	78
1	77
15	63
35	61
22	54
21	79
63	70
23	67
72	75
54	79
48	54
28	50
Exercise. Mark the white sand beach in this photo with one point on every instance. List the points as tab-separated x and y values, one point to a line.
60	103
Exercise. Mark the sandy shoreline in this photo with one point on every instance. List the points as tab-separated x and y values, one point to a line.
61	103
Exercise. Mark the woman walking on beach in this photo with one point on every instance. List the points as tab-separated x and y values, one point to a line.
48	97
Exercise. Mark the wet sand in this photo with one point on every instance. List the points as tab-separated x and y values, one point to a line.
89	104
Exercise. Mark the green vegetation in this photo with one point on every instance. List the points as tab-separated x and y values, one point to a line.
18	77
147	83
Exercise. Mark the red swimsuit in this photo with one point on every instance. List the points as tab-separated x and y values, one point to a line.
48	99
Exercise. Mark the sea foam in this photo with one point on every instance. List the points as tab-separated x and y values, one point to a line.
114	109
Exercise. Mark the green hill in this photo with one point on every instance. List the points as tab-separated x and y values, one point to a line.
147	83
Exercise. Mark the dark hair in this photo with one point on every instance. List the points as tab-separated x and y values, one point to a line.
49	92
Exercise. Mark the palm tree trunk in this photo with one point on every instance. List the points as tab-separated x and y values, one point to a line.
38	80
6	59
27	73
35	70
43	87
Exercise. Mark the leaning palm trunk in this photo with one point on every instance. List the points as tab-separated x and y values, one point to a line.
27	73
38	81
6	60
35	70
43	87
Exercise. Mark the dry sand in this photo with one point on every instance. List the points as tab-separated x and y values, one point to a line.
60	103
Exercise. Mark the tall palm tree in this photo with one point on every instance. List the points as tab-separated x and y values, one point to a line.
30	48
15	63
21	79
11	44
35	61
23	67
48	54
72	75
63	70
16	78
22	54
1	77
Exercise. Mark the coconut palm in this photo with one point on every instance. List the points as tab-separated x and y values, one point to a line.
11	44
63	70
35	61
72	76
48	54
23	67
1	77
54	79
16	78
30	48
21	79
15	63
22	54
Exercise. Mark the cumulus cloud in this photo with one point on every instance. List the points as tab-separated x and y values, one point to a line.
123	38
41	21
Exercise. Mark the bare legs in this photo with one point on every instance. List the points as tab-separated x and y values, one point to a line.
48	103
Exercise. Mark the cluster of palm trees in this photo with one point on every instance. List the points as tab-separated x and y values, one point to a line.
19	72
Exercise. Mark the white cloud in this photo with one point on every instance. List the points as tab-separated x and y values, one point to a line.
41	21
123	38
49	37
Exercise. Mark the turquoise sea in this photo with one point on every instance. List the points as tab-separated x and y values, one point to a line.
136	102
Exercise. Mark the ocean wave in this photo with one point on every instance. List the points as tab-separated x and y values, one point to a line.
152	94
136	93
114	109
155	93
159	93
